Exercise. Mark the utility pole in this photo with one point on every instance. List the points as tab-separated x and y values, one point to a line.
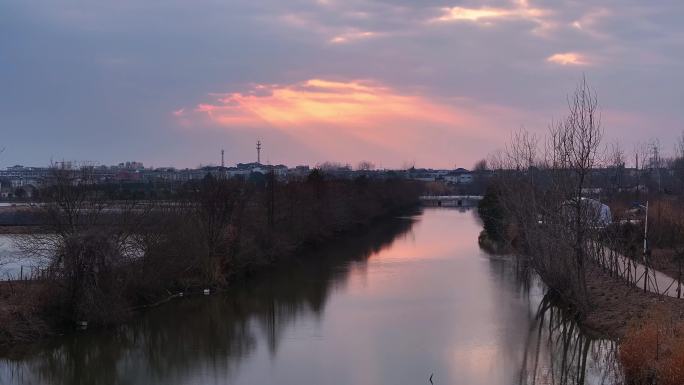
646	249
271	198
223	163
258	151
655	163
637	174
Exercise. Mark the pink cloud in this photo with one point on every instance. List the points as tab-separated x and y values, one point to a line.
569	58
353	120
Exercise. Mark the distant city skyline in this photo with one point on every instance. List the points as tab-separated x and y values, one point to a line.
393	82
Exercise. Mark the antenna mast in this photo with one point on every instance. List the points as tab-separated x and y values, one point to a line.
258	147
223	164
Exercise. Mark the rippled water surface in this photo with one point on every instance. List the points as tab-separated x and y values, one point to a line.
412	298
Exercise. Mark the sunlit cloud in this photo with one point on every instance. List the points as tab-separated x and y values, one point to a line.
319	101
568	59
352	36
589	22
519	10
451	57
472	14
348	118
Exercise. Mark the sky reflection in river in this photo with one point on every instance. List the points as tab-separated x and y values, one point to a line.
411	298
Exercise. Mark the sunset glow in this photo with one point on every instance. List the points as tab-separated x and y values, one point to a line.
337	191
568	58
437	83
519	10
351	36
317	101
459	13
345	117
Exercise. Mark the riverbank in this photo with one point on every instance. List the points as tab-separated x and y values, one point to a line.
22	302
10	230
354	311
617	306
606	304
109	262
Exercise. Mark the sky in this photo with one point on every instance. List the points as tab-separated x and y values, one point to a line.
430	83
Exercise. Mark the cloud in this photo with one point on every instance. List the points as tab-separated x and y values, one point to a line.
568	58
355	105
472	14
518	10
350	119
589	21
441	90
352	36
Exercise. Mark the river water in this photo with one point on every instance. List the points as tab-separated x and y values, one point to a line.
12	261
412	298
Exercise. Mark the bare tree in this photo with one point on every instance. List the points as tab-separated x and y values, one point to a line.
85	245
545	196
577	149
656	162
408	165
333	166
616	162
480	165
678	162
365	166
522	150
679	146
213	202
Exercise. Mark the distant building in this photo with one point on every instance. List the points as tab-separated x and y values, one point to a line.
459	176
596	212
132	165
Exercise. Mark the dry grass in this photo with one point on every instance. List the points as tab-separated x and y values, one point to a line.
652	351
21	312
616	305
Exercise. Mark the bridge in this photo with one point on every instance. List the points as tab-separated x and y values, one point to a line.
451	200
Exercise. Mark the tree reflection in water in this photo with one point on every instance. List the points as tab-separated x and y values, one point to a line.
559	352
202	338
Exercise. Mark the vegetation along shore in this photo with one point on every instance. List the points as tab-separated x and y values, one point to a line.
609	242
102	256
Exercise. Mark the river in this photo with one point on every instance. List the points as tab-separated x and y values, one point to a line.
13	264
412	300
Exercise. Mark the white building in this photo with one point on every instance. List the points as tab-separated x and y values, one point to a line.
459	176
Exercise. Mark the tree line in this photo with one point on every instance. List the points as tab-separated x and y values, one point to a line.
105	257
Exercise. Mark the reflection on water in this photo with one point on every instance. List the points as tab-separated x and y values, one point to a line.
12	260
411	298
557	352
